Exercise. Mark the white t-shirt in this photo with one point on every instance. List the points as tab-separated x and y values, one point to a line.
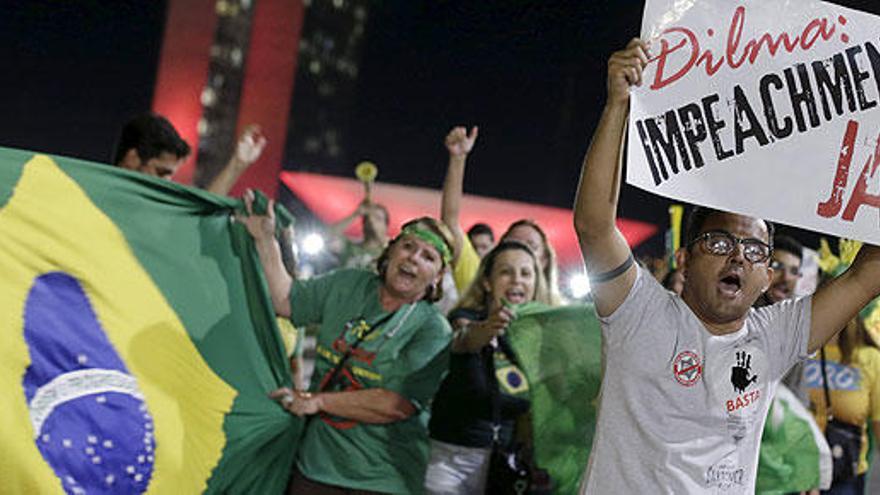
682	410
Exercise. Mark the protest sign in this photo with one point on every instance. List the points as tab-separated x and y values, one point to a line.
763	107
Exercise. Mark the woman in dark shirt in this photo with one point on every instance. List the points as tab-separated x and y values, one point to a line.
462	424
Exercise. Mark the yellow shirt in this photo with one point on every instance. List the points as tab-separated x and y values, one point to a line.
290	335
854	390
466	266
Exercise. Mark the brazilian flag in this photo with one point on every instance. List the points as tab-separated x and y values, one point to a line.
137	340
560	351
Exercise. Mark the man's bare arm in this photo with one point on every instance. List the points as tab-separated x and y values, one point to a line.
248	150
595	209
837	302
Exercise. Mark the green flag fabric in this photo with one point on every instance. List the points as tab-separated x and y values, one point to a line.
138	343
560	351
794	455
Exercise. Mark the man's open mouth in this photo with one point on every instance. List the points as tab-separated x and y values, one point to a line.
730	284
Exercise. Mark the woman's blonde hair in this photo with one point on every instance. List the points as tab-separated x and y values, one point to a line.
477	297
550	272
434	292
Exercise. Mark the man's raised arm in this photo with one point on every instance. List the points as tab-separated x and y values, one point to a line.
607	255
248	150
837	302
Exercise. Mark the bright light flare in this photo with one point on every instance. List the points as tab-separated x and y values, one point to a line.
313	244
579	285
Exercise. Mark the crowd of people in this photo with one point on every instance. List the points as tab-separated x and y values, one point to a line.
407	398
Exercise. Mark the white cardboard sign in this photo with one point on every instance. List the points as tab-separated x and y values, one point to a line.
769	108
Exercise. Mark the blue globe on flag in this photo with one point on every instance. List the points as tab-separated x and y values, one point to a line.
89	418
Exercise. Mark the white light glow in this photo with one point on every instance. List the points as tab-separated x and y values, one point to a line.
313	244
579	285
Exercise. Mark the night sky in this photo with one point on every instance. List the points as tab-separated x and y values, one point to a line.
530	74
75	71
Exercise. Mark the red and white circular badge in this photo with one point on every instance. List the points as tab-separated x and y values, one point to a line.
687	368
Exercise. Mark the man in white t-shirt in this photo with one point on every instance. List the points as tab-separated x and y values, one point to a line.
688	380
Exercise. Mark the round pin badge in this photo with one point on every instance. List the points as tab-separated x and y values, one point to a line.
687	368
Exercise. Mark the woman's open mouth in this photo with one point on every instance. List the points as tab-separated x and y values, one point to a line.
515	296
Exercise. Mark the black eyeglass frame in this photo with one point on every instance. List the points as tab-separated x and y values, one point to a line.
734	242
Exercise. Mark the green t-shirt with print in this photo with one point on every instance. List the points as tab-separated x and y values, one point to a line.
407	353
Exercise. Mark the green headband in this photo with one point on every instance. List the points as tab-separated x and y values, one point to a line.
432	239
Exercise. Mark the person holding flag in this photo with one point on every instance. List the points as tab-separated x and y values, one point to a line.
688	380
462	437
382	350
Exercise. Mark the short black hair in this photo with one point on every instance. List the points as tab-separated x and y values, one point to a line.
150	134
480	229
700	214
789	245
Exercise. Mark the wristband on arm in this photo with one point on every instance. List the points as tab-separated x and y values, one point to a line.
612	274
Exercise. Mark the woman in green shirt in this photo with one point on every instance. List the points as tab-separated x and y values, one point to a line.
382	351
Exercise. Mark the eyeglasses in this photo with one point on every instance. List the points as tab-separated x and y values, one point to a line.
721	243
780	267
